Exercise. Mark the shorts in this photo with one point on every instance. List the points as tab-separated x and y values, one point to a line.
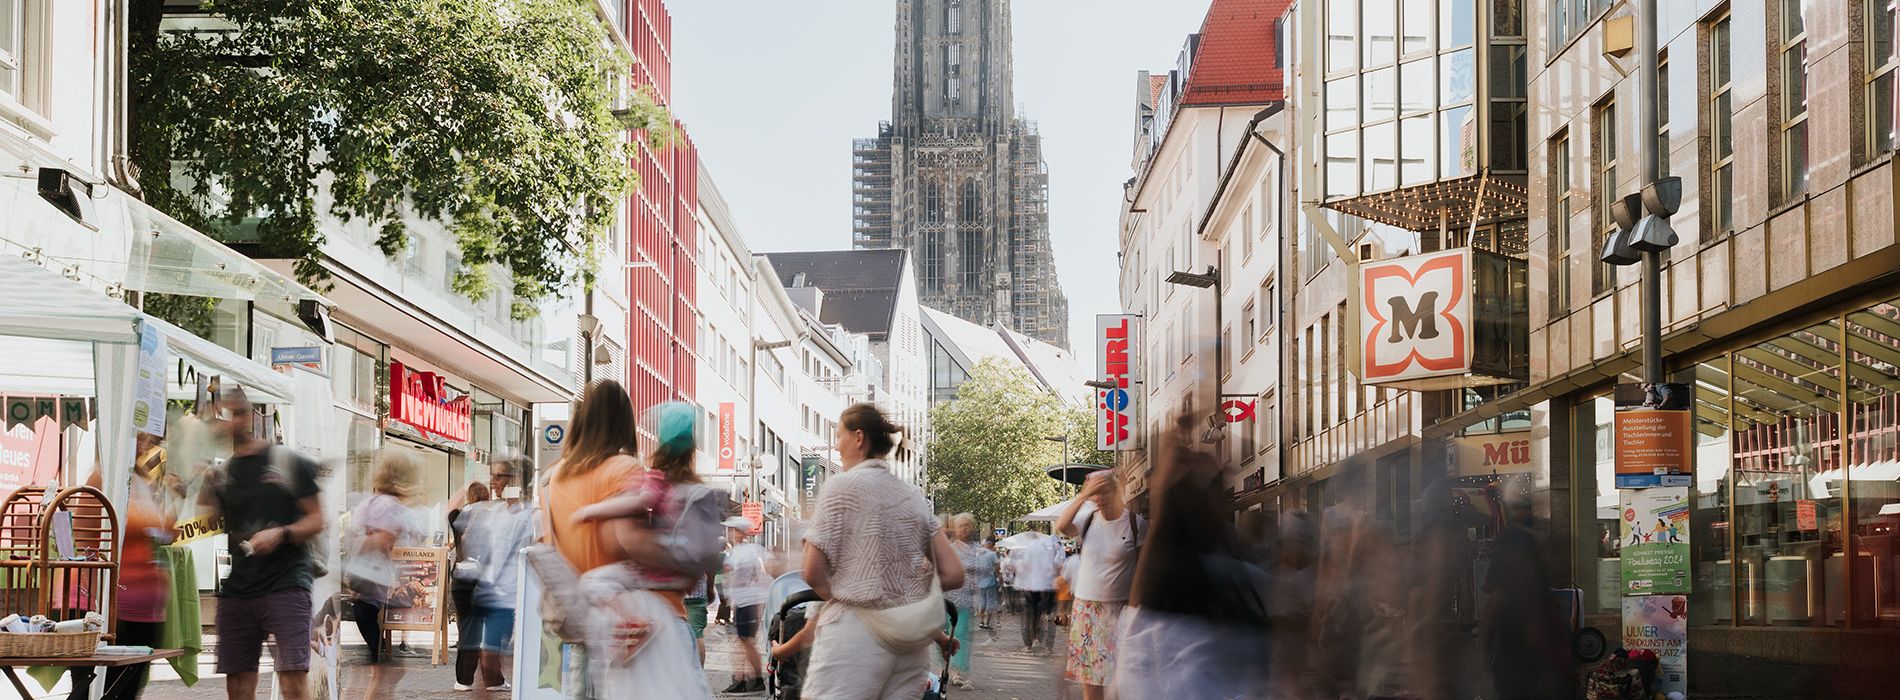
746	619
1092	632
498	630
244	624
696	616
988	599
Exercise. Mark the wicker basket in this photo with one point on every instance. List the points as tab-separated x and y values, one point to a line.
48	645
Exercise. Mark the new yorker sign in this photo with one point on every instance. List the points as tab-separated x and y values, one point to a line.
422	400
1115	410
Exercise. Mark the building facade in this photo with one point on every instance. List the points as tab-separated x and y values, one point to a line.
955	346
874	293
1199	127
956	178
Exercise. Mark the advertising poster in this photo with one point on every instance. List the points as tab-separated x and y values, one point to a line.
1655	537
415	601
1655	435
148	389
1660	623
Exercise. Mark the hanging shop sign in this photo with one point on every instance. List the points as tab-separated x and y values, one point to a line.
1660	623
755	512
423	400
309	357
1655	435
728	438
1655	539
1238	410
148	388
1443	320
1480	455
1117	414
812	471
550	437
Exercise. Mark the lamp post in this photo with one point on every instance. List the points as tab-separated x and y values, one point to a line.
1643	232
1064	439
1204	280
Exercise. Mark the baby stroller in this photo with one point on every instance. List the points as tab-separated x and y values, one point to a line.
795	604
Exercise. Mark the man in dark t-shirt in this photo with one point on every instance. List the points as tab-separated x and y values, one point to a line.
267	497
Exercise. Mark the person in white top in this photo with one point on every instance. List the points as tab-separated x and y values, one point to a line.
1035	565
1110	538
746	581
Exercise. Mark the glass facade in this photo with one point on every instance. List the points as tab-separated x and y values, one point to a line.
1405	100
1796	497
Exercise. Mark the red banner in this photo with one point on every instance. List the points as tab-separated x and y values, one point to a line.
727	458
421	400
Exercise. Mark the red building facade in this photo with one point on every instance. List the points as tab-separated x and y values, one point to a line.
661	224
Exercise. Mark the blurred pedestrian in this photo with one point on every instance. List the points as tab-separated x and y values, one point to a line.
143	584
595	463
494	533
1104	572
746	581
267	498
1361	611
989	598
468	652
1290	605
880	560
379	523
1524	634
1035	564
978	563
1195	624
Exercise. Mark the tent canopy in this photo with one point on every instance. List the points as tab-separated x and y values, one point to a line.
39	303
1045	514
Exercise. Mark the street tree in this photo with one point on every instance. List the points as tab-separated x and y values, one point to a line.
988	453
500	120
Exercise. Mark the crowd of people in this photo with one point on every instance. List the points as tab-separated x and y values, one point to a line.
1173	595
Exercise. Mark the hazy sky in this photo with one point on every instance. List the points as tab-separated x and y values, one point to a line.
774	91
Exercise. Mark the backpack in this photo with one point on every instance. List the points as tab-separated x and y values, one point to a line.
694	543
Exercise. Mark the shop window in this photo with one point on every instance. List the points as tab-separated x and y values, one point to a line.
1873	458
1786	441
1599	567
1710	552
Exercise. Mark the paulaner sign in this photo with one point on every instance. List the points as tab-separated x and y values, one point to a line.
1443	320
1116	413
422	400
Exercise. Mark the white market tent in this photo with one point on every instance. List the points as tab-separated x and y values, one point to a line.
45	320
1045	515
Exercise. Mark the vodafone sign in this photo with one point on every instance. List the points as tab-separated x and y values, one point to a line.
1415	317
1116	412
726	437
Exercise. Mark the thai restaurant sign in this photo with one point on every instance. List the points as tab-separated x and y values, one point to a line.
423	400
1116	411
1415	317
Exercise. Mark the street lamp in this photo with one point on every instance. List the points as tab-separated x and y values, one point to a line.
1643	231
1204	280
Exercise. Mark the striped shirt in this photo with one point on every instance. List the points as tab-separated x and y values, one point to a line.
875	531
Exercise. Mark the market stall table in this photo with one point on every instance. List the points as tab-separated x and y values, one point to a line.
112	661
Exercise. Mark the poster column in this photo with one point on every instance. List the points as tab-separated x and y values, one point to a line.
1655	442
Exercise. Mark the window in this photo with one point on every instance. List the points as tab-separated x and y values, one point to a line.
12	46
1559	180
1602	276
1339	363
1246	237
1325	370
1248	328
970	257
970	206
953	72
1268	302
1662	114
1721	186
1267	420
1880	65
1793	130
1227	351
953	17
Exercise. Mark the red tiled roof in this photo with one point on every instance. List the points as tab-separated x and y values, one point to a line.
1234	64
1155	84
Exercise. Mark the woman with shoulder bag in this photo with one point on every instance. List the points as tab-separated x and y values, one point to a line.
380	523
468	639
881	561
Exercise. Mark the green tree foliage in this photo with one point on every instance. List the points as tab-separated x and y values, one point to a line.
496	118
987	452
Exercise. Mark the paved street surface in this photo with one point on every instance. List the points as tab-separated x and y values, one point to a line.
1001	671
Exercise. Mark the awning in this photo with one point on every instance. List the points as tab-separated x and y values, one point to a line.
1044	515
40	303
261	383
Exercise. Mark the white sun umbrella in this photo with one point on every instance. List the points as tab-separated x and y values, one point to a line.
1044	515
1021	539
